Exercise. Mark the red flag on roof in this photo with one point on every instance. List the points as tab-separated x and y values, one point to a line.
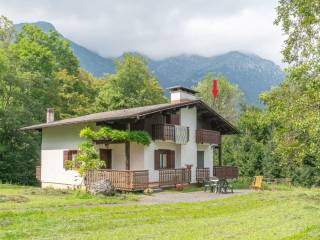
215	88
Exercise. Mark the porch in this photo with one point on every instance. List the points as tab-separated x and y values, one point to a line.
138	180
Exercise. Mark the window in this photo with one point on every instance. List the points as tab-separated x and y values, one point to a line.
163	160
67	156
73	154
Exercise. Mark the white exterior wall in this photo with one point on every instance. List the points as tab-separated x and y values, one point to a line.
189	150
117	155
136	156
149	157
54	141
58	139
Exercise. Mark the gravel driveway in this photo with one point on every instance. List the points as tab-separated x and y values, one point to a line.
174	197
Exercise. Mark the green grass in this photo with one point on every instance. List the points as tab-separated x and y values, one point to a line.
285	215
13	197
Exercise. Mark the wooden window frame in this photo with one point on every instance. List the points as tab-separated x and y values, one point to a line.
170	159
68	155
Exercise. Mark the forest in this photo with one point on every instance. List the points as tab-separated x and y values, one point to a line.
38	70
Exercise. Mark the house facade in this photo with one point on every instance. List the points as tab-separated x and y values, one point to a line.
185	135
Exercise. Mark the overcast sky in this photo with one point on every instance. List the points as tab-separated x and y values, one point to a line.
159	28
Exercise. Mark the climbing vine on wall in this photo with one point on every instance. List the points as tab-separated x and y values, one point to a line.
108	133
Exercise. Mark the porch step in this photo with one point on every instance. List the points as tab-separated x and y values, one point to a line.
155	190
155	186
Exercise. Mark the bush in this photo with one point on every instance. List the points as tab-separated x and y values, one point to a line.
242	183
307	176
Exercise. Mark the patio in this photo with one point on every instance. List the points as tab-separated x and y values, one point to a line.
176	197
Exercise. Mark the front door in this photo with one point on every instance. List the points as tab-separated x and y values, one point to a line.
106	156
200	159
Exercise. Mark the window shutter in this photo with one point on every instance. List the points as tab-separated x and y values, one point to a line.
65	158
168	153
172	158
156	159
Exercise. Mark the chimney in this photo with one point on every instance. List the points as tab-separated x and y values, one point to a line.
180	94
50	115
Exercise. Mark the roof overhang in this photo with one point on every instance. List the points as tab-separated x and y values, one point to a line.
225	126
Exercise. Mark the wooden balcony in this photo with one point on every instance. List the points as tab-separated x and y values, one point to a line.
124	180
204	136
171	177
225	172
202	174
170	132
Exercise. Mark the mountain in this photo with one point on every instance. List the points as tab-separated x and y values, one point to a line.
252	73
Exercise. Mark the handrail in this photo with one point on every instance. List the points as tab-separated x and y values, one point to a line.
169	132
205	136
226	172
202	174
125	180
170	177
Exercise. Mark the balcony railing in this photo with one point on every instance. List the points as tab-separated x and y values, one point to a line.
204	136
202	174
125	180
225	172
169	132
170	177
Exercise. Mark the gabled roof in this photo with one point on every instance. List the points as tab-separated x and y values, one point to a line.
136	113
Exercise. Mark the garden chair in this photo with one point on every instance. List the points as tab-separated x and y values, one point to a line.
257	183
230	185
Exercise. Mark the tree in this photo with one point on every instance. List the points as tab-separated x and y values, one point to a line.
251	151
77	94
131	86
7	32
37	70
300	21
44	52
294	105
229	98
18	150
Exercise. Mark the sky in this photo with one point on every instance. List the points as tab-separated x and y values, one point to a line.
159	28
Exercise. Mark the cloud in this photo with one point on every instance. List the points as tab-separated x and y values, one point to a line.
159	28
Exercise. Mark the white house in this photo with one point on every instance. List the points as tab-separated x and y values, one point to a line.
184	134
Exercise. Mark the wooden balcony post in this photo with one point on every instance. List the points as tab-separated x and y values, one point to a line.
220	155
127	150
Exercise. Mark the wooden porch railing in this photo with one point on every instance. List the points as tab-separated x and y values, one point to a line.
125	180
38	173
207	136
202	174
226	172
170	177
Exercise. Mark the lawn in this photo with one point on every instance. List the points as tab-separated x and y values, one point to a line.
293	214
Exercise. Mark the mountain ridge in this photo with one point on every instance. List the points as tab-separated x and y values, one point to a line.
252	73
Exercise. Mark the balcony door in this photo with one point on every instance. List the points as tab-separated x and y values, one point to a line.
106	156
200	159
